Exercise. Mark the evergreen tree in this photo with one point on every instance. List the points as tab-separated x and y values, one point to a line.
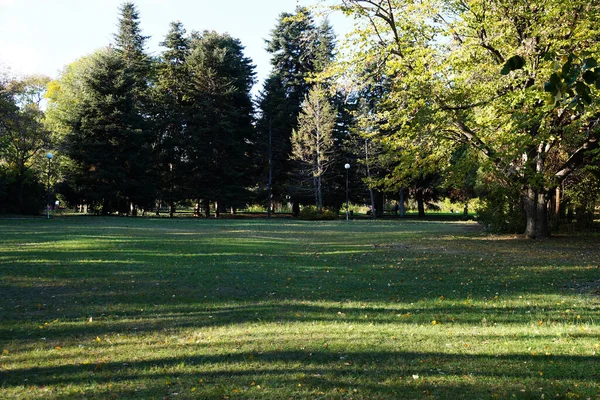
219	135
129	44
170	112
274	126
104	135
299	50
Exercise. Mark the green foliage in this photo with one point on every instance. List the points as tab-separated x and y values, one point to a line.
299	50
312	213
23	142
512	64
171	107
219	136
573	83
312	142
106	137
478	73
501	211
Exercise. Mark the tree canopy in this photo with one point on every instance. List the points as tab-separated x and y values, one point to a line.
517	81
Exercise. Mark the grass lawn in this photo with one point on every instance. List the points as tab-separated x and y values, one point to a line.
143	308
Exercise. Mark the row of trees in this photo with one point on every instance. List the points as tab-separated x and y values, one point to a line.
437	98
494	95
135	131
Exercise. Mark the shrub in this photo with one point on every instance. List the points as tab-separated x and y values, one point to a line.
310	213
500	211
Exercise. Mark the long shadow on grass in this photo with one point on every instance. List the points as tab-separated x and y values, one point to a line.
178	318
379	374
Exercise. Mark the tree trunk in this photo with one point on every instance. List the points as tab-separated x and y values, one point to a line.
172	209
206	205
319	193
379	203
217	209
105	207
536	212
420	203
402	209
316	192
270	180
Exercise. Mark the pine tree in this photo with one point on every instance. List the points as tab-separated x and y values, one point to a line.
219	133
129	46
170	108
299	50
103	138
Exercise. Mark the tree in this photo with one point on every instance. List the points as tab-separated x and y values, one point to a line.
273	129
299	51
219	135
170	105
105	138
312	142
480	72
129	44
23	138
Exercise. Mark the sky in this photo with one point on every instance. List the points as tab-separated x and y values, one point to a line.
43	36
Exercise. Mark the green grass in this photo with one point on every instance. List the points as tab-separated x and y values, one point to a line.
143	308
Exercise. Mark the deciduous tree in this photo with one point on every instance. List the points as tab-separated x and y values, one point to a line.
515	80
312	142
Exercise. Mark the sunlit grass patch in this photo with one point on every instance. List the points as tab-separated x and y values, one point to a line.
122	308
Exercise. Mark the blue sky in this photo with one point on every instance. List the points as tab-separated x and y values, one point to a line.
42	36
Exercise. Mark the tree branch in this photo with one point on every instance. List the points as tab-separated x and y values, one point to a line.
576	160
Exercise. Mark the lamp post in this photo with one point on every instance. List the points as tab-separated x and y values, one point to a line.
347	166
49	157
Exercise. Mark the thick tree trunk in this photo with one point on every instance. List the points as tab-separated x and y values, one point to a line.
536	212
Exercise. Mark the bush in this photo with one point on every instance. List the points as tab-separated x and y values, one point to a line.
500	211
310	213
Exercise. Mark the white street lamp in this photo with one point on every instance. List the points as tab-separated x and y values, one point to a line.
347	166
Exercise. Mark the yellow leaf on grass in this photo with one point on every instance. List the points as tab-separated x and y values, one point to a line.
5	352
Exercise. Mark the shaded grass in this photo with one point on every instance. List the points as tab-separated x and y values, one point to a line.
126	308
